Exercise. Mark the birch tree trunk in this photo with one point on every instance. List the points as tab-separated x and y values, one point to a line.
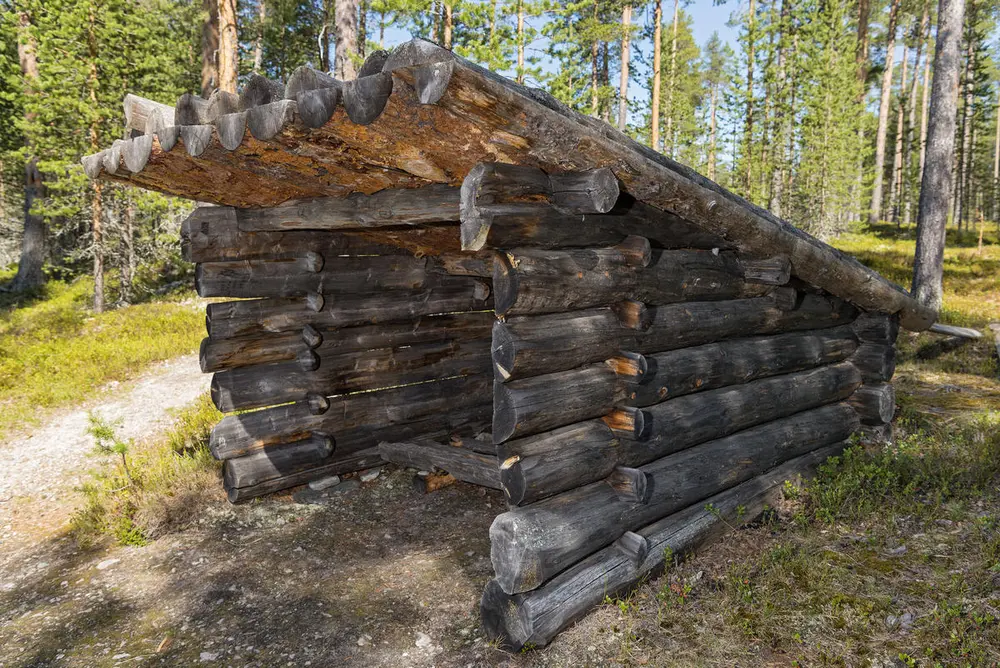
346	35
654	104
229	69
875	210
29	268
623	85
935	188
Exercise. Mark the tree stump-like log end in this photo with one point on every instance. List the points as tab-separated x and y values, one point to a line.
501	619
505	284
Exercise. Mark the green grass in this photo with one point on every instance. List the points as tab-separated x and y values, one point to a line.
891	556
156	486
54	351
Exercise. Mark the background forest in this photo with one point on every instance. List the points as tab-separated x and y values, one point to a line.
814	109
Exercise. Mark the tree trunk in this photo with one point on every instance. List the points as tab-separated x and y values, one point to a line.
258	47
520	41
712	130
897	158
925	105
29	268
960	193
362	26
935	188
229	64
748	113
875	210
96	202
654	104
861	61
209	47
996	166
778	173
127	266
672	81
346	22
594	74
623	85
911	122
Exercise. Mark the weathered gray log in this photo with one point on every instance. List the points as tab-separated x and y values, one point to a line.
266	121
231	128
316	106
139	111
706	367
528	345
687	324
542	403
361	420
427	454
540	281
876	328
533	618
335	465
196	138
498	189
874	402
631	485
549	463
532	544
952	330
403	206
767	271
260	90
875	361
211	234
447	295
280	382
218	354
364	98
550	228
136	152
277	461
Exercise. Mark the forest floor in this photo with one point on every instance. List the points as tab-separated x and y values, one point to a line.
893	558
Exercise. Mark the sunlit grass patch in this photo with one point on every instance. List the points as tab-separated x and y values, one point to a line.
55	351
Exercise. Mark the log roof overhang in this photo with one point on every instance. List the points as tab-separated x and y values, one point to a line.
421	115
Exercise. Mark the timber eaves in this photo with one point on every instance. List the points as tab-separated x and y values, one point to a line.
422	115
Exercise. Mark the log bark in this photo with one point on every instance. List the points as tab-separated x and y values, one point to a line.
706	367
403	206
338	276
547	464
277	461
448	295
270	384
361	420
533	618
875	403
550	228
462	464
498	189
875	361
335	465
534	281
532	544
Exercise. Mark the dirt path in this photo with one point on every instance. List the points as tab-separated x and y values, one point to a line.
40	470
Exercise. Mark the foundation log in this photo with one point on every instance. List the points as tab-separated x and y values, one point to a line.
875	403
335	465
875	361
461	463
533	544
277	461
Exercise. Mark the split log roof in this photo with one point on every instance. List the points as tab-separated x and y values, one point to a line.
421	115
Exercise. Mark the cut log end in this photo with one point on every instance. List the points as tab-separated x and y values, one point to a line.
631	485
633	315
311	336
629	423
630	367
365	98
636	251
634	547
501	619
505	284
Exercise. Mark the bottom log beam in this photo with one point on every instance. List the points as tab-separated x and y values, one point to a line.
461	463
355	461
534	618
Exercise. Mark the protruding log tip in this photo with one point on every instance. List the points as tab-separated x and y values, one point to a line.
221	104
113	157
784	298
318	404
311	336
767	271
505	284
221	395
315	301
315	107
504	414
365	99
501	619
231	129
431	81
266	121
512	480
632	485
92	164
630	367
196	138
629	422
260	90
373	63
636	250
136	152
307	360
634	547
190	110
306	78
591	191
167	137
502	350
203	353
633	315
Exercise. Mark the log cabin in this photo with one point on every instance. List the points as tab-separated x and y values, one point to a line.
434	266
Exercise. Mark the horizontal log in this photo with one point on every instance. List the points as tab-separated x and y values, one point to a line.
547	281
277	461
542	403
338	275
281	382
426	454
532	544
361	420
631	485
219	354
875	361
550	463
876	328
532	619
335	465
952	330
531	345
447	295
497	189
211	234
877	434
146	116
874	402
400	206
549	228
713	365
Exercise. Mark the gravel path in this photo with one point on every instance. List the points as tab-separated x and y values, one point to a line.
39	470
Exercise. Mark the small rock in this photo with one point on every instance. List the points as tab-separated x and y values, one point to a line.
324	483
364	640
107	563
347	486
369	475
896	551
906	620
119	657
309	496
208	656
944	523
423	640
